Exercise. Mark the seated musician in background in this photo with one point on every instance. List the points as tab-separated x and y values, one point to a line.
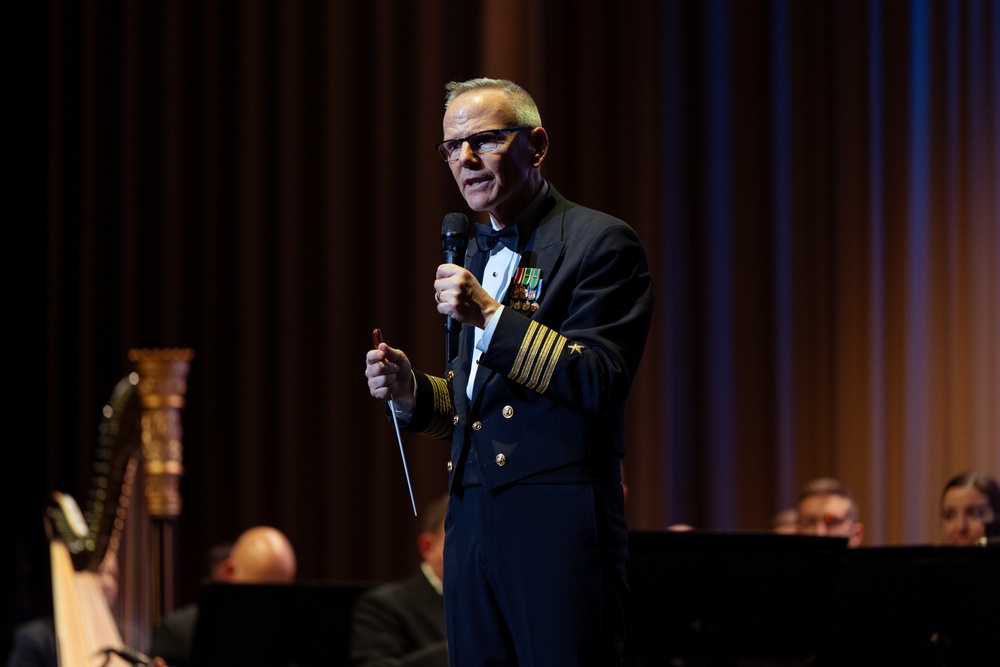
215	562
970	509
34	642
785	522
176	630
826	507
260	555
402	623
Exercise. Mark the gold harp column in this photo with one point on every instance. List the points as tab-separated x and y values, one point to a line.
162	385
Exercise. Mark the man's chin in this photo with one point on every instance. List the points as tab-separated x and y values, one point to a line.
478	202
480	195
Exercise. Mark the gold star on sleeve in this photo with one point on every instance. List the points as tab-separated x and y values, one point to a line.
575	348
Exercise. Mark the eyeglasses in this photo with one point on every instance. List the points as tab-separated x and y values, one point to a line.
487	141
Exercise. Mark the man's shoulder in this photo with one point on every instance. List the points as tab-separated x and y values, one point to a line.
182	615
394	590
565	206
35	630
575	220
413	579
34	643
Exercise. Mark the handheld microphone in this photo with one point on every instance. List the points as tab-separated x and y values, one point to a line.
454	240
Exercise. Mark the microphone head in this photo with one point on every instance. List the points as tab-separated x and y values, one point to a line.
455	225
455	232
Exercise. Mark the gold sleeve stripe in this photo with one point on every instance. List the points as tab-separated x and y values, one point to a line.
441	423
554	345
533	328
536	360
540	360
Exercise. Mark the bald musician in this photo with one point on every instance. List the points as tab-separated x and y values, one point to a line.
260	555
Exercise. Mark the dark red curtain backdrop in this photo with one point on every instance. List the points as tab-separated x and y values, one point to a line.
817	184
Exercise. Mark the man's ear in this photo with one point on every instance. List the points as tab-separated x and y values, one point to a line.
857	533
226	570
424	542
539	146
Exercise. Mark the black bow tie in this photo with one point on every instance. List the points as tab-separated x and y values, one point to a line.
487	237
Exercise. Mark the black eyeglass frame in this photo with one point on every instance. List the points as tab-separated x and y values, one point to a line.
440	146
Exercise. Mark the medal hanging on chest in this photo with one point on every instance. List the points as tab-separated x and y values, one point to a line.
525	289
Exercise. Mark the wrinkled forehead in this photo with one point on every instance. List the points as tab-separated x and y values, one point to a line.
477	110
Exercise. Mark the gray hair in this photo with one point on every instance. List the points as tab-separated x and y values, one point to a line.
525	110
829	486
434	514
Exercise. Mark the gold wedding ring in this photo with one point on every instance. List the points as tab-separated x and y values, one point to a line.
437	296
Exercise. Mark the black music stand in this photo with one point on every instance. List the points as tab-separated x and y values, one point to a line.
274	625
700	598
919	606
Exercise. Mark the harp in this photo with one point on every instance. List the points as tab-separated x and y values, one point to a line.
131	505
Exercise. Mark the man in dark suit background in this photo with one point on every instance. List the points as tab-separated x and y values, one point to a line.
402	623
555	307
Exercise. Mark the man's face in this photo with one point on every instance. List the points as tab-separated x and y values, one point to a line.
965	511
499	182
828	515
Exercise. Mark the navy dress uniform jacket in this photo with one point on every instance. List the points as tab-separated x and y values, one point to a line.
548	403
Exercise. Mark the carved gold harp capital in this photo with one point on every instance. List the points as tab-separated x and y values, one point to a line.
162	386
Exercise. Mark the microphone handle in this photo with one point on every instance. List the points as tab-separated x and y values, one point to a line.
454	240
453	256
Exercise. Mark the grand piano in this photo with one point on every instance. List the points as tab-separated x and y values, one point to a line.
748	599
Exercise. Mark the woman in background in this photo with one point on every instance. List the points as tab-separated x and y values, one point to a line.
970	509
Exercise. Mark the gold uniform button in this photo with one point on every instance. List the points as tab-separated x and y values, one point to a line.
451	375
450	467
476	426
508	412
501	460
454	420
